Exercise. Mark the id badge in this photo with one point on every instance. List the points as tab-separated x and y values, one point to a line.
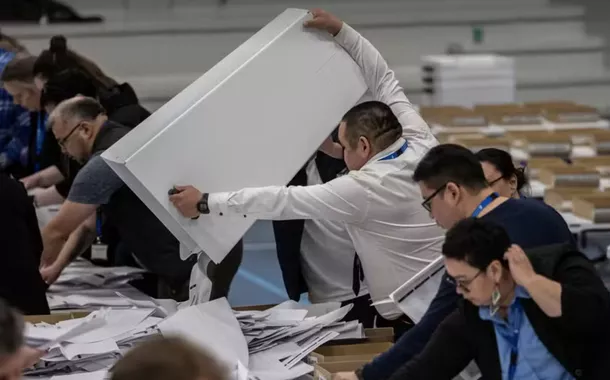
99	251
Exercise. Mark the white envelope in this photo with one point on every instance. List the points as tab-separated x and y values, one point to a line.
252	120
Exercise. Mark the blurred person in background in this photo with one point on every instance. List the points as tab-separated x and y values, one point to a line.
501	173
168	358
18	80
60	74
15	123
15	356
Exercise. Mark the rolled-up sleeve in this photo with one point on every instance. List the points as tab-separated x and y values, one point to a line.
342	199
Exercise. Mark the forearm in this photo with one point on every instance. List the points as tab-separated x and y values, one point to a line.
77	243
547	295
49	176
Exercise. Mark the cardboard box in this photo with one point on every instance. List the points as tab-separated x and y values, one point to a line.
477	144
548	144
569	176
594	208
561	198
572	114
286	84
55	318
254	307
325	371
509	114
599	163
353	349
601	142
371	335
534	164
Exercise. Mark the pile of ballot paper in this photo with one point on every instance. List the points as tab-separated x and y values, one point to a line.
90	344
265	345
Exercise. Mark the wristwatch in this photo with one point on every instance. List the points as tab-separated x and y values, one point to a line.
202	205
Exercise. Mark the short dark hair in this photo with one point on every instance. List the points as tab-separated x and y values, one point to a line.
450	163
11	329
19	69
373	120
168	358
66	85
477	242
503	162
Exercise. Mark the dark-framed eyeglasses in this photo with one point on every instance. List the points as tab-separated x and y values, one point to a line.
62	142
427	203
491	183
463	284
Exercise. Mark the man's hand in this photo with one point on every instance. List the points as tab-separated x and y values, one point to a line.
324	21
30	182
520	266
345	376
50	273
52	246
186	200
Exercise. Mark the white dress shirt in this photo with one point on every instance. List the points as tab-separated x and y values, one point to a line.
380	204
327	255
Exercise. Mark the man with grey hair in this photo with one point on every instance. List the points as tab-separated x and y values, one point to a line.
14	355
83	132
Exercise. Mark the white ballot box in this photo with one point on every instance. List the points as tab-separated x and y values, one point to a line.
252	120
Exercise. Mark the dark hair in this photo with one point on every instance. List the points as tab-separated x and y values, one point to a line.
168	358
503	161
373	120
19	69
11	329
9	43
65	85
476	242
59	58
450	163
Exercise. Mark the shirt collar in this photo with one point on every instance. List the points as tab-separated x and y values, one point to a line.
389	150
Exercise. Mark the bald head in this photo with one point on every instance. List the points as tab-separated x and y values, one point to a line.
77	109
75	123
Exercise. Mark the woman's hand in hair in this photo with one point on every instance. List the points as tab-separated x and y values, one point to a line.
520	266
331	148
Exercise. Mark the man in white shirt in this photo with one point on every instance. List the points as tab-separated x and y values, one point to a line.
377	200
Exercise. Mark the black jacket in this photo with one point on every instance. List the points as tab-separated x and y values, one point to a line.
579	339
21	247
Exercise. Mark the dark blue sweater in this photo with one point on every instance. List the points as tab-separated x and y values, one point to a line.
529	223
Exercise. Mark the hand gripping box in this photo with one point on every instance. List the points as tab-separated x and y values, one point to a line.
252	120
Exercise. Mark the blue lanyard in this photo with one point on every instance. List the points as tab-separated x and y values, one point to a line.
98	224
397	153
40	135
513	339
490	198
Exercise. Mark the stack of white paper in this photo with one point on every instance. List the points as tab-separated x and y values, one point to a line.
96	277
90	344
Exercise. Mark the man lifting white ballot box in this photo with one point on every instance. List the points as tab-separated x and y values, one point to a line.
252	120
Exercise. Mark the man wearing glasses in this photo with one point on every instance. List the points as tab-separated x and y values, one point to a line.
83	132
453	187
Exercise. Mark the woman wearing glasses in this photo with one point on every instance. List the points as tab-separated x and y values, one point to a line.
536	315
501	173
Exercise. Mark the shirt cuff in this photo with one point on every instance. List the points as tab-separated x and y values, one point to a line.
218	203
347	36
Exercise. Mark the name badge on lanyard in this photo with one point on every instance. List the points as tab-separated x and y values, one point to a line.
490	198
99	250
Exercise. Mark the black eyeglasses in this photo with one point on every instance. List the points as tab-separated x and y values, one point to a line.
63	141
463	284
490	183
427	203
